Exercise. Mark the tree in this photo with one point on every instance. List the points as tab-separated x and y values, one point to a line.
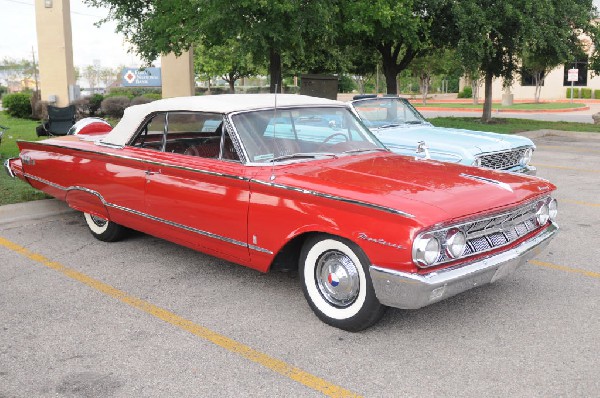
229	61
434	62
14	71
398	30
274	31
493	36
91	73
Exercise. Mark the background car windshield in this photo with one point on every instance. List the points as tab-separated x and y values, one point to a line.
387	112
268	135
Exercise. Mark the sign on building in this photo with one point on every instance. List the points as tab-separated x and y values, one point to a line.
147	77
573	75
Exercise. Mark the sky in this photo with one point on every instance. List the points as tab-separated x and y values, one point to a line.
90	44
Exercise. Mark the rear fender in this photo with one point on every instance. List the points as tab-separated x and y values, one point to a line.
87	201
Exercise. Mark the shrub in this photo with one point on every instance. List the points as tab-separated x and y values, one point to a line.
152	96
3	90
575	93
597	94
132	92
141	100
346	84
586	93
467	92
88	106
115	106
17	105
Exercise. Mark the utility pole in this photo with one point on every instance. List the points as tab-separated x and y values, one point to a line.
35	73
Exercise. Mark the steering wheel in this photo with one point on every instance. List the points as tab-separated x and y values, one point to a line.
331	136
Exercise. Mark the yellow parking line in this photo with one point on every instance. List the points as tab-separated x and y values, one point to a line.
579	202
591	274
551	166
222	341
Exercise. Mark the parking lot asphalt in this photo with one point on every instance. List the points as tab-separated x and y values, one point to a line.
144	317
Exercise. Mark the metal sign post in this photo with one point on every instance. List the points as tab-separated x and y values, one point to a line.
572	76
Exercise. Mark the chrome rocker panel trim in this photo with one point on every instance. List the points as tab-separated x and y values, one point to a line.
148	216
411	291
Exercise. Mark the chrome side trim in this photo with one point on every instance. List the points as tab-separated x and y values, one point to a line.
8	169
410	290
152	162
150	217
333	197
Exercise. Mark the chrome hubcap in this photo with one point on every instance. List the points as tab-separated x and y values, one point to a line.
337	278
98	221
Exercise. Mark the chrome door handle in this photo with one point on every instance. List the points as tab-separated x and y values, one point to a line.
151	172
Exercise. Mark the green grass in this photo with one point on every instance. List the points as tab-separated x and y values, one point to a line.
15	190
518	106
511	126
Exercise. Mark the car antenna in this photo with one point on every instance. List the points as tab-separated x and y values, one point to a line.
274	130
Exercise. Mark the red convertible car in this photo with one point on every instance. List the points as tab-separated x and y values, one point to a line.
293	181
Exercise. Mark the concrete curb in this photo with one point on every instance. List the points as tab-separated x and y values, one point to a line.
560	133
34	210
442	109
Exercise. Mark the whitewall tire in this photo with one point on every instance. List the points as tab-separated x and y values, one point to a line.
104	230
336	283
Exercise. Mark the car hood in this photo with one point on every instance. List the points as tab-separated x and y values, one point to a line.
467	143
431	191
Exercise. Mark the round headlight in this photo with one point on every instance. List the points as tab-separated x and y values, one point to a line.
542	215
526	158
427	249
553	209
476	162
456	241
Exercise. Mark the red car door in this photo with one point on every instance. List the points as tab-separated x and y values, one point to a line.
194	194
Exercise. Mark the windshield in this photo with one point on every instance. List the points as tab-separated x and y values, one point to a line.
302	134
387	112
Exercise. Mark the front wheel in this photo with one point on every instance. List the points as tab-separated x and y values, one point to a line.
337	285
104	230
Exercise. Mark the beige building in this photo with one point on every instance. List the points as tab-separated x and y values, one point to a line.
554	88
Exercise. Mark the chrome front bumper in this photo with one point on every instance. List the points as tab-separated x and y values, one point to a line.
411	291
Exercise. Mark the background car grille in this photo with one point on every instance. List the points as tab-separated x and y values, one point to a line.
502	160
497	231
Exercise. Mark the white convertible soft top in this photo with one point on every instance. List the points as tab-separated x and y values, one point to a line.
226	103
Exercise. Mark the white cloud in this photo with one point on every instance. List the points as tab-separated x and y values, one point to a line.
18	34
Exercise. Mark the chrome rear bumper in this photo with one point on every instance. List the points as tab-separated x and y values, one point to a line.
7	168
411	291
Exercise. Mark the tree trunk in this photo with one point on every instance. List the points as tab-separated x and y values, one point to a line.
475	91
231	82
390	73
539	80
487	104
275	71
425	82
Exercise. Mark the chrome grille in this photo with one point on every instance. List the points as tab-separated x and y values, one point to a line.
502	160
500	230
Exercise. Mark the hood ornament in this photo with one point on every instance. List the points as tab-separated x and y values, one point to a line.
422	148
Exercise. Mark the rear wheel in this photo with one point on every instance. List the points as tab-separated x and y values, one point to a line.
337	285
104	230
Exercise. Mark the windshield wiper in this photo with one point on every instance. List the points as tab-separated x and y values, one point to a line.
366	150
303	155
414	122
385	126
